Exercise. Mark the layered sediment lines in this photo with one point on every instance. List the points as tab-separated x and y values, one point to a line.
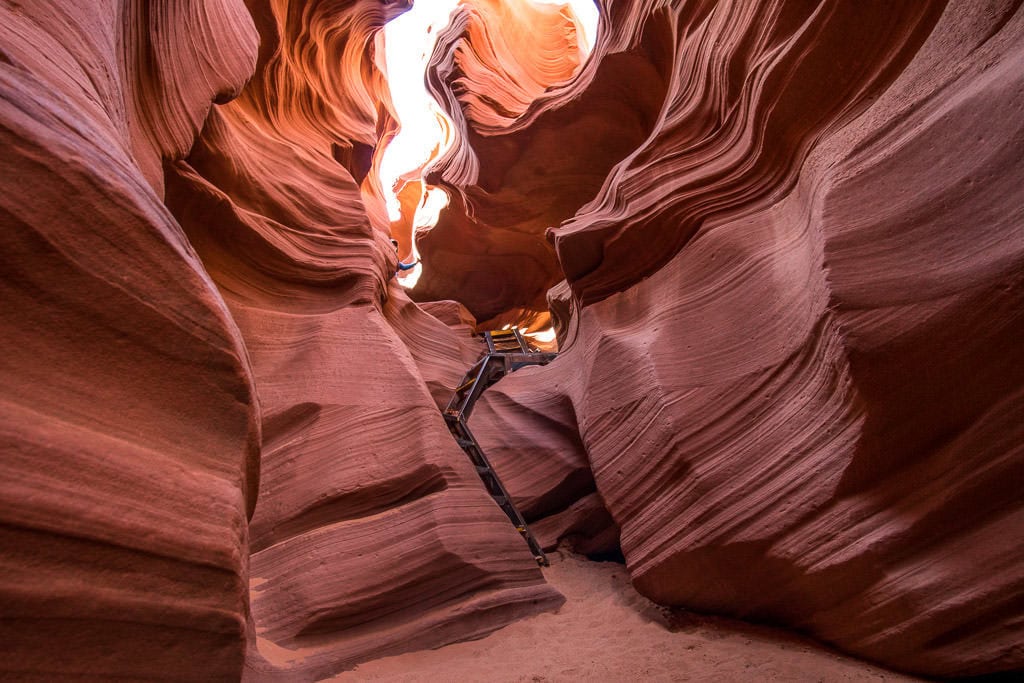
509	185
373	534
128	421
789	246
158	360
792	318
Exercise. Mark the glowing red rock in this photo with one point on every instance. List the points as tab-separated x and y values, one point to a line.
373	534
795	355
128	420
790	384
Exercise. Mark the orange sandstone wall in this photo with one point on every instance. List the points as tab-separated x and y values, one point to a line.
788	241
509	185
129	430
221	450
372	534
791	328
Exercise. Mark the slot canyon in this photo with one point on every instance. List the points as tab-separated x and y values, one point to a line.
778	246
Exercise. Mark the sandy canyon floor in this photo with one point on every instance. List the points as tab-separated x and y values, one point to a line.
606	631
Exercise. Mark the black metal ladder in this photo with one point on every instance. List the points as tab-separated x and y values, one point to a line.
507	351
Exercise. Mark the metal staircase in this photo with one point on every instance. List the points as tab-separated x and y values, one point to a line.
507	351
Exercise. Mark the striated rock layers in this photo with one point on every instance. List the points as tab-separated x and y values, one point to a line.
793	315
169	374
508	185
788	244
372	533
128	424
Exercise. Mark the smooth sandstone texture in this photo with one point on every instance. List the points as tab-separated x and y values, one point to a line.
128	424
508	186
791	327
144	353
373	534
786	246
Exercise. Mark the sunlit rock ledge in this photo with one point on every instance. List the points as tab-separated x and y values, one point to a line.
782	245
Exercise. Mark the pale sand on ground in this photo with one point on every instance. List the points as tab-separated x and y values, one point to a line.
606	631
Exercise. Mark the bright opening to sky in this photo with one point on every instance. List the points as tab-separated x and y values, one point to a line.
409	41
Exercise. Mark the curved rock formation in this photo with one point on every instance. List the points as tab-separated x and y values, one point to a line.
373	534
508	186
782	247
128	420
795	358
507	54
146	359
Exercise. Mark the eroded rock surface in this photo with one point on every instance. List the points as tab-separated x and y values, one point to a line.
509	185
155	363
373	534
789	242
128	425
792	320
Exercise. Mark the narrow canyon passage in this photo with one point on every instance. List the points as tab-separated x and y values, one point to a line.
778	245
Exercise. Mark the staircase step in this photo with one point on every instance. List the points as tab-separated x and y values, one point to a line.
508	349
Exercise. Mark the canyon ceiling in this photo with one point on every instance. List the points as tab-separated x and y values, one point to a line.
781	242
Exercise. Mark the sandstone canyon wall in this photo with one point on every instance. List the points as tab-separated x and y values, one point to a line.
792	323
371	534
165	372
128	428
790	243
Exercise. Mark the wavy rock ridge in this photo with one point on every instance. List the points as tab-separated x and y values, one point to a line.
164	366
791	322
129	435
372	533
782	244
